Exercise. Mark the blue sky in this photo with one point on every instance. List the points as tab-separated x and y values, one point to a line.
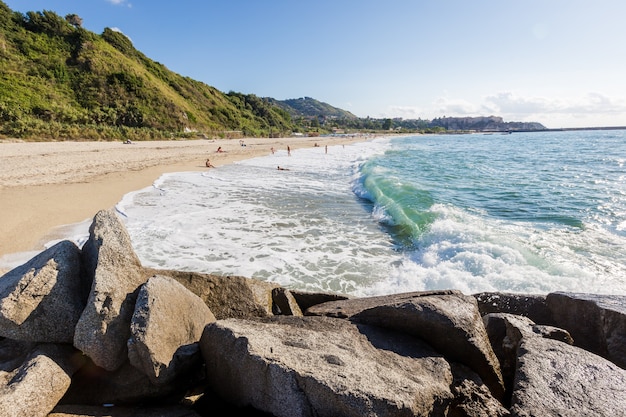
559	62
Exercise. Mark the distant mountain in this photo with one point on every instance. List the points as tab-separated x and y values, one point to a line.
309	107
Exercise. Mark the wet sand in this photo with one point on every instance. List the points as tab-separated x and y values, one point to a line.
46	185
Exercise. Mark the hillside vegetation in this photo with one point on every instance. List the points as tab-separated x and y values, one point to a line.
58	80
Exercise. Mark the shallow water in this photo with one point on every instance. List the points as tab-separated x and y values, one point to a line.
526	212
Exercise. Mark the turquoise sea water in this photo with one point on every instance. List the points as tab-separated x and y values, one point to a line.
524	213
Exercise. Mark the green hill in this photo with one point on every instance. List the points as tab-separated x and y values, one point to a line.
309	107
58	80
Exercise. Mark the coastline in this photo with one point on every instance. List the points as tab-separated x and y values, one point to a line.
47	185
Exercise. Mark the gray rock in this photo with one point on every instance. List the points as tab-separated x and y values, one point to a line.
104	327
320	366
472	399
528	305
13	353
596	322
165	328
286	303
447	320
34	388
506	332
227	296
309	299
127	385
556	379
42	300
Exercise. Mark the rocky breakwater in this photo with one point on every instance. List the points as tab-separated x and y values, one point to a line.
91	332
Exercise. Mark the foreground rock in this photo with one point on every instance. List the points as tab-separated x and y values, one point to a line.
34	388
604	330
546	375
532	306
267	350
42	300
104	326
227	296
447	320
315	366
165	307
556	379
506	332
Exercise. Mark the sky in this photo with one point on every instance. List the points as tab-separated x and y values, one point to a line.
561	63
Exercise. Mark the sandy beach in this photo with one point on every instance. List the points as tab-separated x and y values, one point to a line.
45	185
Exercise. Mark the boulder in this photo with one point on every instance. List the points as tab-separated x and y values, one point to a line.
596	322
285	302
532	306
506	332
165	328
227	296
38	384
13	353
93	385
42	300
104	327
556	379
309	299
321	366
447	320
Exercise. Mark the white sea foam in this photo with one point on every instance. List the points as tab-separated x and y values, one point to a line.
314	228
469	253
302	228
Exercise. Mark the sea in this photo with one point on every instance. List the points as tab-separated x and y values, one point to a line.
525	213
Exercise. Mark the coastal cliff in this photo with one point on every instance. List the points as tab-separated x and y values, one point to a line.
90	331
483	124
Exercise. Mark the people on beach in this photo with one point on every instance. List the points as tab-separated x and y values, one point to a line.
272	149
219	149
288	150
242	143
282	169
326	149
208	164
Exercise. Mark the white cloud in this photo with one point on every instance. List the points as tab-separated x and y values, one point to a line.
455	107
405	112
120	3
590	110
593	109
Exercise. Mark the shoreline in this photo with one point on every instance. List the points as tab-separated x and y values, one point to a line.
47	185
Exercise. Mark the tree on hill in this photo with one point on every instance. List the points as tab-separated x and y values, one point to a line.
74	20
